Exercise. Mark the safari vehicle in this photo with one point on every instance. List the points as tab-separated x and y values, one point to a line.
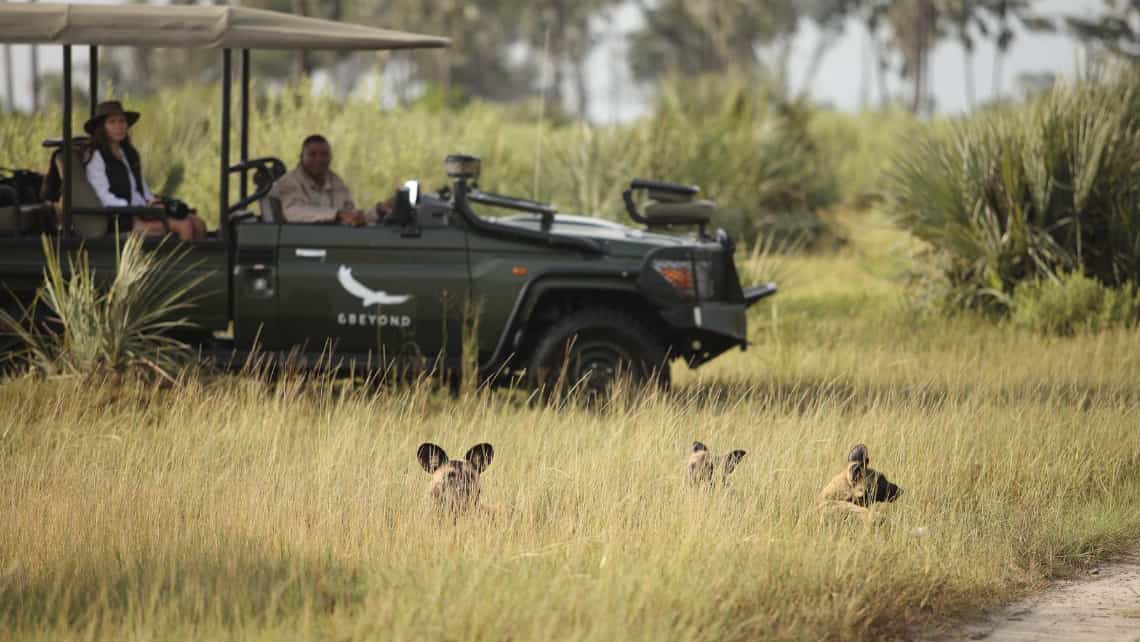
553	294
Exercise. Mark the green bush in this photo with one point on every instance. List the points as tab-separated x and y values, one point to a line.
84	324
861	146
1019	194
1073	303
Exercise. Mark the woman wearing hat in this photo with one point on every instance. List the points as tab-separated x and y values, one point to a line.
114	170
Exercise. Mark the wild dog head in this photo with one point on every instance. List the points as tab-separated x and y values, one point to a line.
706	468
867	484
455	482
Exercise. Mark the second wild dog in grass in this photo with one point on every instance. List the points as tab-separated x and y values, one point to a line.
853	491
455	482
706	468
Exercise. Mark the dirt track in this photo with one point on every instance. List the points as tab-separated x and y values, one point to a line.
1102	605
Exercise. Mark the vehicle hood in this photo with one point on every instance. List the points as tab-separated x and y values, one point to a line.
619	239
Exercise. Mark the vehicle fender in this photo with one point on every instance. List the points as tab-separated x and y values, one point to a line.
615	282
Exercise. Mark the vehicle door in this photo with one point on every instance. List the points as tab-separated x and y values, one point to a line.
382	290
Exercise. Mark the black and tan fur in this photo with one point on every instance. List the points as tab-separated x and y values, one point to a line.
455	482
706	468
853	491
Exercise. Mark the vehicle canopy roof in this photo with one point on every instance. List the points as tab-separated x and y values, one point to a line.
193	27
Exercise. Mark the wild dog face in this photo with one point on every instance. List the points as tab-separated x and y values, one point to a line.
866	484
706	468
455	482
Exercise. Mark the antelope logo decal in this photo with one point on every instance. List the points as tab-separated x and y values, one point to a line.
367	297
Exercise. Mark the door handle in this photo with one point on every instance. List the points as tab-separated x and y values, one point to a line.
307	253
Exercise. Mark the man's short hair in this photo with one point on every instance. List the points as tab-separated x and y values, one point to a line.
313	139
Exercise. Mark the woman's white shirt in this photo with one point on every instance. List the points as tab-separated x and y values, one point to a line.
97	176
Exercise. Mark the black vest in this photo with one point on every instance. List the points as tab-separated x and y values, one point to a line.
117	174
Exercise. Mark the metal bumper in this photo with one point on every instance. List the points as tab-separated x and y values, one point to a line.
757	292
718	324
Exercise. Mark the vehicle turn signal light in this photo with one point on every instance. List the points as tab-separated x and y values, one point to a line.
679	274
519	270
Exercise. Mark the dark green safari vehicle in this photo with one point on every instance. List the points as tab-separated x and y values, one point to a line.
551	294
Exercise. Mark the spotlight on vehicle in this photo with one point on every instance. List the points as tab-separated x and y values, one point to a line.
462	166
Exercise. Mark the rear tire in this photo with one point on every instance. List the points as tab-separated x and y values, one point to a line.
591	348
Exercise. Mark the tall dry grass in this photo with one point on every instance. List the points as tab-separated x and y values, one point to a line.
244	509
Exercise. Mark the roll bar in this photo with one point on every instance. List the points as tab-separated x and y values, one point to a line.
518	204
461	192
267	170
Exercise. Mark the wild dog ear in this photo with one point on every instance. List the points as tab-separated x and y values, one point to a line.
732	459
859	455
699	447
431	456
885	491
480	456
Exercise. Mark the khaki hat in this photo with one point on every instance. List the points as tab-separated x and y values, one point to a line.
105	109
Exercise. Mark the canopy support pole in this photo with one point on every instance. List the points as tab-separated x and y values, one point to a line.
225	228
244	119
93	76
67	168
224	167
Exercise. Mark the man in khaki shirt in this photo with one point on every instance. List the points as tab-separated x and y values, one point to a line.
313	193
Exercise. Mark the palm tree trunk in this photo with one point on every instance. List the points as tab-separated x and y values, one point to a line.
35	70
581	89
998	59
968	60
9	83
301	61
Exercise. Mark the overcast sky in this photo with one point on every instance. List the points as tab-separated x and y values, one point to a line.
839	81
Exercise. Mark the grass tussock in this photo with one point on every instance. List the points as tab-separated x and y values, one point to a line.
240	508
91	323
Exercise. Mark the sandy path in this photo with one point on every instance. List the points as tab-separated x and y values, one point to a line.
1102	605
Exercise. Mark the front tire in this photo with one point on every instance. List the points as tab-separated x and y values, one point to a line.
590	349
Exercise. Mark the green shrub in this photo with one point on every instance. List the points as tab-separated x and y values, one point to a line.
89	325
1016	195
860	146
1073	303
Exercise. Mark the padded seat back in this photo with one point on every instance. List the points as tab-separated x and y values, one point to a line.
10	222
684	213
88	226
271	210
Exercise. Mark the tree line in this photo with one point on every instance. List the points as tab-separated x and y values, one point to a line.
506	50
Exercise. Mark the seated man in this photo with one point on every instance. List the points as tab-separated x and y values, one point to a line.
313	193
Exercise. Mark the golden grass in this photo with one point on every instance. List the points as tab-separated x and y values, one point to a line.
240	509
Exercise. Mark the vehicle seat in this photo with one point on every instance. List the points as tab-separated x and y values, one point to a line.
680	213
270	209
10	220
87	226
21	211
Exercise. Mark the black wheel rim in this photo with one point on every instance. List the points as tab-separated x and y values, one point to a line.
595	364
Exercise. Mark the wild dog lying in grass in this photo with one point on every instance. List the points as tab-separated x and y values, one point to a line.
853	491
455	482
706	468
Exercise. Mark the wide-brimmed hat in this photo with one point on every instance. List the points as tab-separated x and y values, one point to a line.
105	109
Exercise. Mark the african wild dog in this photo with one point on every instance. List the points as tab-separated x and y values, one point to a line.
455	482
706	468
853	491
